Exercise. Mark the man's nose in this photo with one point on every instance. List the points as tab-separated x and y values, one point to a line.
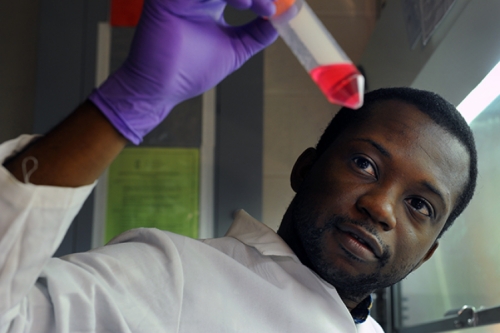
380	206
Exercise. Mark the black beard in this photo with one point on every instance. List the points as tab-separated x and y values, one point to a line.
356	287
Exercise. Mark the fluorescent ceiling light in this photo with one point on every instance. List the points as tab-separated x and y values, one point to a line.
482	96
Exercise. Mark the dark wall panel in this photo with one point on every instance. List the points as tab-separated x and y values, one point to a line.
238	169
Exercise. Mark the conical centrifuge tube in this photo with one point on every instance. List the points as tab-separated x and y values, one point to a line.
319	53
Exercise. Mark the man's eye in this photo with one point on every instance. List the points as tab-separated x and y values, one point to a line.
420	206
365	165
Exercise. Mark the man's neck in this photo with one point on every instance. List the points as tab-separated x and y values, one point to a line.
288	233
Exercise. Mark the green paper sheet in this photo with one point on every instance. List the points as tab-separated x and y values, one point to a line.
154	187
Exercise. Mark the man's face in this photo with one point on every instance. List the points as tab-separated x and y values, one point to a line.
369	210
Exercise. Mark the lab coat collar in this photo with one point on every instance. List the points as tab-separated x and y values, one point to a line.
259	236
253	233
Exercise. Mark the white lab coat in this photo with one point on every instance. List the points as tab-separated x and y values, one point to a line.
149	280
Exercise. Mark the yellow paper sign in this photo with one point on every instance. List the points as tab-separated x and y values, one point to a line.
154	187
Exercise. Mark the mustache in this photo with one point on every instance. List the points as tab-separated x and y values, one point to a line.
336	220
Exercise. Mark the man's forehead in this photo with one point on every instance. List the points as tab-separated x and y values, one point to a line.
400	119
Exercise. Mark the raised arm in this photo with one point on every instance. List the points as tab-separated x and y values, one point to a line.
181	49
74	153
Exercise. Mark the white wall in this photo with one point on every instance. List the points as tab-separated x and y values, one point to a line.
461	52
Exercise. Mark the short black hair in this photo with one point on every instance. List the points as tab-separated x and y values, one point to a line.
437	108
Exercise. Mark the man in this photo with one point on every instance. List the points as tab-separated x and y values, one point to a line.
372	200
379	190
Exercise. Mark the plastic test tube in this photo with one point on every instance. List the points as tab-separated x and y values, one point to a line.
319	53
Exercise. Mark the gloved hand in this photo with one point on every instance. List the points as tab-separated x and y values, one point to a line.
181	48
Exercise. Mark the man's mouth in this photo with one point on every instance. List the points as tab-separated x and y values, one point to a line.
361	241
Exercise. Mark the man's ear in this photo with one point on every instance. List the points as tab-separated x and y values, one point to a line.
301	167
428	255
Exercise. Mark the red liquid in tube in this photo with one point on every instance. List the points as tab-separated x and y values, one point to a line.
315	48
341	83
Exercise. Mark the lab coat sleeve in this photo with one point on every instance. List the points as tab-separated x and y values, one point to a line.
33	222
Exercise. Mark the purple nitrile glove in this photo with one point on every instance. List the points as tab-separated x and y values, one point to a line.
181	48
